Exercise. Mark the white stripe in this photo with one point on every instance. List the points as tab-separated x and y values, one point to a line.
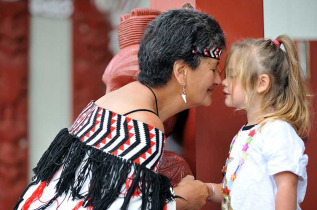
89	124
103	129
142	143
159	142
83	114
132	140
115	133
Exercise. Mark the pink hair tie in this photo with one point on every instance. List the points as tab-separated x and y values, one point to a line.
277	43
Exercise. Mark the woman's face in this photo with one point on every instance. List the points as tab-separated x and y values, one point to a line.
201	82
232	88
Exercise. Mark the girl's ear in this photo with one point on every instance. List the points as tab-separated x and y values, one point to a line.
263	83
180	71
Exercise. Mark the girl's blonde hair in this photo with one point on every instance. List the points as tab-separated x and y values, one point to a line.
287	96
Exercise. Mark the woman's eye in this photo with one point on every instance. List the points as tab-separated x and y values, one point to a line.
214	70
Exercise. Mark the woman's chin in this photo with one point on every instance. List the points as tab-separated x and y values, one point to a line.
206	102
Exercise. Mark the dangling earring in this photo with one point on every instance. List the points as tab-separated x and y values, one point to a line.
183	93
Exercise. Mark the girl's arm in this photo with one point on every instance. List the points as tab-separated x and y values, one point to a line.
214	192
286	196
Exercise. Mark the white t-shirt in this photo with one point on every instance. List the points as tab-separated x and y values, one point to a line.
274	148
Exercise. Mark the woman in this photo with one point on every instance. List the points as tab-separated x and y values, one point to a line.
108	158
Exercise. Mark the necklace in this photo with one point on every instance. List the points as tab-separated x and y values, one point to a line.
154	98
227	184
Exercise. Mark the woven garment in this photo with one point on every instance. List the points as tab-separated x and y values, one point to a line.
103	161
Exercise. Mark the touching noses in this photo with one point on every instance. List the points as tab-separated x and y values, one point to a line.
224	82
217	80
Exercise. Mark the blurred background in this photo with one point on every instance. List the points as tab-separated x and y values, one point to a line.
53	54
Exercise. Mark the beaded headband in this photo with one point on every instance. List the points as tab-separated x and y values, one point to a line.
211	53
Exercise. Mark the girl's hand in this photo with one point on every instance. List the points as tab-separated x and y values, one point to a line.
286	196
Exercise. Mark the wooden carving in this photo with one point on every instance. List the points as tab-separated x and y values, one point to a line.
174	167
14	26
124	66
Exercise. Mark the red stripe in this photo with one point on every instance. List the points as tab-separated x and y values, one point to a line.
35	196
78	205
165	207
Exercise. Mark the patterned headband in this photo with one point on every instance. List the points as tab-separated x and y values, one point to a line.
211	53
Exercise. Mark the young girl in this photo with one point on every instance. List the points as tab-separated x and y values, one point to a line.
266	164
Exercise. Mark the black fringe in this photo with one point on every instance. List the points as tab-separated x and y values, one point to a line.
108	174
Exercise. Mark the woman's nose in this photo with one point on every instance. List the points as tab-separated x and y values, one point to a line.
217	79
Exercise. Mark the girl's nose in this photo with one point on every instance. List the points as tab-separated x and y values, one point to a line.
224	82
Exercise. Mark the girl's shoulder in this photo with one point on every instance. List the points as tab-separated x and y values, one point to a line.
277	126
280	132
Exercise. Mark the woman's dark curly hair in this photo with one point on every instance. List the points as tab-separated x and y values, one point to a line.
171	37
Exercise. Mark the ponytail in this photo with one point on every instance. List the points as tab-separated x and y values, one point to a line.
293	106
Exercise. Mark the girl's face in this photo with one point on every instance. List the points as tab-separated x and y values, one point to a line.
232	88
201	82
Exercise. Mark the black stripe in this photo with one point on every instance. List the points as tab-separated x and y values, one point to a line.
137	139
100	125
126	137
114	138
147	144
108	129
157	142
86	124
77	119
160	140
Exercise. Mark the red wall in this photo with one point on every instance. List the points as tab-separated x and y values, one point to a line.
209	130
311	145
14	82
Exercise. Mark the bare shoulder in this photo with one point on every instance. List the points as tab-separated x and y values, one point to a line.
125	100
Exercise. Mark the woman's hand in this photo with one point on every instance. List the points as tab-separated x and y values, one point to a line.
194	193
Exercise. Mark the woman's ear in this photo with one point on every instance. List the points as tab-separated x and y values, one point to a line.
263	83
180	69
